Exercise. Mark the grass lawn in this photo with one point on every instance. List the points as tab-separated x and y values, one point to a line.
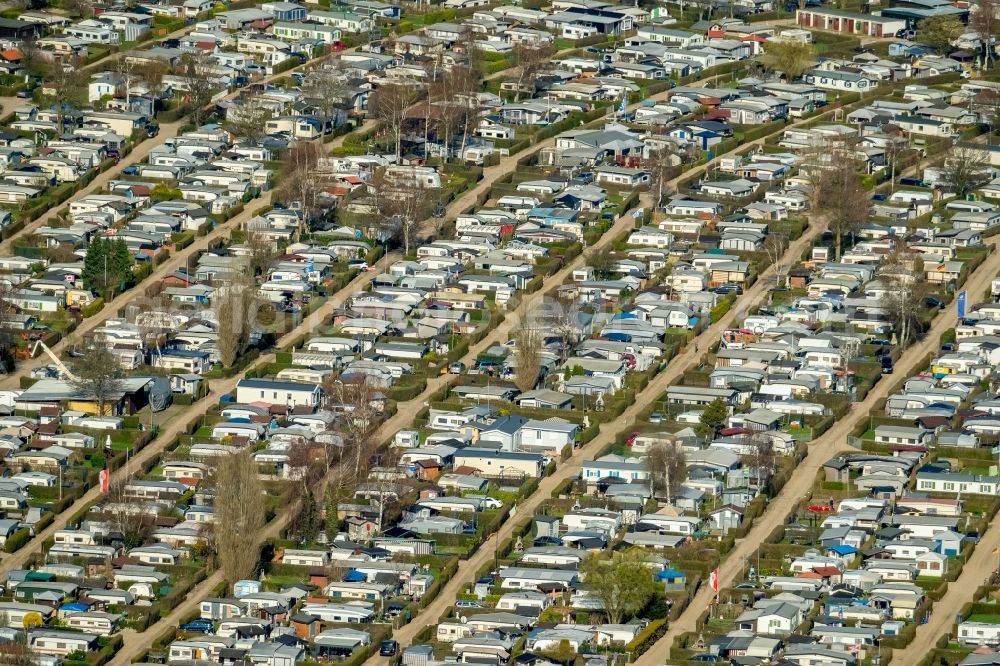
984	617
805	432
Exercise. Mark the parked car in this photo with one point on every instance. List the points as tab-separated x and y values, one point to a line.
23	94
358	264
388	648
199	626
468	604
656	417
932	302
728	288
130	171
456	368
886	365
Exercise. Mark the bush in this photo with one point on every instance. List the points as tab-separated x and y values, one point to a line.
17	540
183	239
721	310
92	308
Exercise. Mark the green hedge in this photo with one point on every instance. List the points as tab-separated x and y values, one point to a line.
93	308
721	310
17	540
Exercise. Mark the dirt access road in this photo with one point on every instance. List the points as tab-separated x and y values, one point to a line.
944	612
827	446
177	260
178	423
407	411
141	151
571	468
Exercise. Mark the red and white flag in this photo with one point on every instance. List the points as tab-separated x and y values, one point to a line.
713	580
105	480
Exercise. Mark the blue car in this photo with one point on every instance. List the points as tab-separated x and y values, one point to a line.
200	626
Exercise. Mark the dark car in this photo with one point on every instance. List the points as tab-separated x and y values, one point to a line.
886	365
388	648
913	182
932	302
878	196
727	289
200	626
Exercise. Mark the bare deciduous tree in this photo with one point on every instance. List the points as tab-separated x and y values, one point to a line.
667	466
262	251
64	86
128	514
838	195
985	21
152	72
78	8
531	60
774	246
17	653
662	169
527	357
906	286
195	70
302	182
563	318
987	104
328	89
239	514
400	206
966	168
895	145
388	105
98	375
247	120
355	398
760	457
236	303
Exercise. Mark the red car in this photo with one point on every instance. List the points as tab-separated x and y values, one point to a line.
338	46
